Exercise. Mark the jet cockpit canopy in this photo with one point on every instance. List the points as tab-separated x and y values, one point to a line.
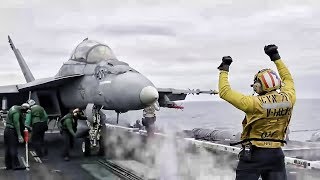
90	51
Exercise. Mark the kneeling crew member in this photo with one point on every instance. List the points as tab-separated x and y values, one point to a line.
267	117
37	118
12	136
68	126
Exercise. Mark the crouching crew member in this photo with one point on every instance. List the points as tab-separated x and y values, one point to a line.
68	128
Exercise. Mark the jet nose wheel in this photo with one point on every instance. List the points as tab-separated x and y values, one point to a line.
93	143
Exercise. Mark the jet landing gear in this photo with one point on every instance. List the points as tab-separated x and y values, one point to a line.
149	123
94	141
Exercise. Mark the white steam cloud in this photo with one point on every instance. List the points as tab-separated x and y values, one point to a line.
169	158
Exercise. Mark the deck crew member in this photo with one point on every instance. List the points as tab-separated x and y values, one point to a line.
149	118
37	122
137	124
12	135
68	128
267	117
79	114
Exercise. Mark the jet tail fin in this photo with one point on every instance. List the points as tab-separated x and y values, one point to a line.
22	63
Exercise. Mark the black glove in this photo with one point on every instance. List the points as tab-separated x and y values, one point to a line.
226	62
272	51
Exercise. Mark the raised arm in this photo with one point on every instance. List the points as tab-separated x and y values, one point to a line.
238	100
287	80
288	87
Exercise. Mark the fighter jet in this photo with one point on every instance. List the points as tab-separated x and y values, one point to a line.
91	79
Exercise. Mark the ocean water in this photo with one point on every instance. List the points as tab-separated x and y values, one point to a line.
220	114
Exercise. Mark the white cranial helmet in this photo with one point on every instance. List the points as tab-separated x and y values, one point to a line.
31	102
25	106
76	110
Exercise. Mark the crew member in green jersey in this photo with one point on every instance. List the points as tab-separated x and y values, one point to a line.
13	135
37	122
68	128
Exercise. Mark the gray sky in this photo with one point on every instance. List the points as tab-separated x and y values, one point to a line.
174	43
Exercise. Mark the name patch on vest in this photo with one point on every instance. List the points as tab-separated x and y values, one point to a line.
275	108
272	98
278	112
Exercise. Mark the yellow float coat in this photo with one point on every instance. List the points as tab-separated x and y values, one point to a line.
267	116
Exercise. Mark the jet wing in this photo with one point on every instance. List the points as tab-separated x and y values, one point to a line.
168	95
47	83
17	94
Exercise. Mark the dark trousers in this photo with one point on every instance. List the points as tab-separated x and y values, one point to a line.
148	122
11	148
265	162
68	142
38	142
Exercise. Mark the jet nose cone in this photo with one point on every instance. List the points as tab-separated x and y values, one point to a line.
149	95
129	91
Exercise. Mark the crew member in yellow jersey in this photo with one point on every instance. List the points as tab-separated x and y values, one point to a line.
267	117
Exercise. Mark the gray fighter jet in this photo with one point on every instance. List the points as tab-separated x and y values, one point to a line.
92	79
